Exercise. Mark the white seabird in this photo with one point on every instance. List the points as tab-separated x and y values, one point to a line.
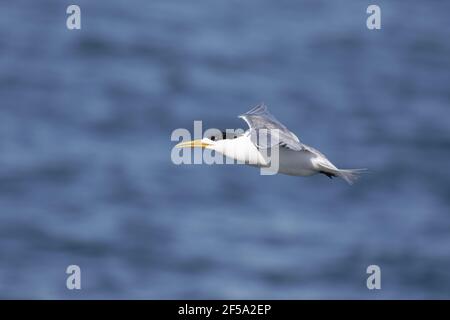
294	157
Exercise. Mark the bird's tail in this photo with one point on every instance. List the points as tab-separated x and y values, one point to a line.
349	175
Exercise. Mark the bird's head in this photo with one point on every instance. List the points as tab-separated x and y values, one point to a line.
218	142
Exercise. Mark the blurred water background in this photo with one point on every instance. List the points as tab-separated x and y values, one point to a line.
86	176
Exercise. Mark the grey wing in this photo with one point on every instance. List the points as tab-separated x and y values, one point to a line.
259	118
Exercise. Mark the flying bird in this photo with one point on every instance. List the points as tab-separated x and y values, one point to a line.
294	157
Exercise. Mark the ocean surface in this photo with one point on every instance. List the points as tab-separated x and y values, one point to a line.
86	176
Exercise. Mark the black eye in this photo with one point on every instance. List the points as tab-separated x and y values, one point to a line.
213	138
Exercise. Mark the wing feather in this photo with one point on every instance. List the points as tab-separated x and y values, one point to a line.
259	118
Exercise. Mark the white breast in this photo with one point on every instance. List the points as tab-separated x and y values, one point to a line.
242	150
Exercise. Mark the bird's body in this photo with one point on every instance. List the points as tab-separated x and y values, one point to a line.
294	158
297	163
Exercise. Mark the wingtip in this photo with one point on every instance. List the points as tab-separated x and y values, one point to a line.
262	107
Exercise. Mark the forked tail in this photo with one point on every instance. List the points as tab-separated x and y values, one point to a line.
349	175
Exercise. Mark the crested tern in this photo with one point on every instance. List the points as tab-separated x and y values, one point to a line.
294	157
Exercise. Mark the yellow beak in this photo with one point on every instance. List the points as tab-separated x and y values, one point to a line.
192	144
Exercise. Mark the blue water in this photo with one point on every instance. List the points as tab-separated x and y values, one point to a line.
86	176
